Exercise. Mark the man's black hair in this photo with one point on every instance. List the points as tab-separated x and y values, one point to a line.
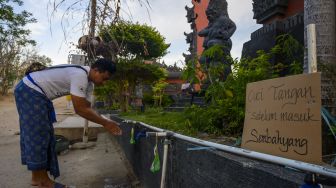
104	65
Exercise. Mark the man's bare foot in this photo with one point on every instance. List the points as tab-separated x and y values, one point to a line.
46	184
41	179
34	183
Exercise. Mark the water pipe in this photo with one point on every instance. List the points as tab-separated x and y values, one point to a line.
166	143
326	171
311	46
164	163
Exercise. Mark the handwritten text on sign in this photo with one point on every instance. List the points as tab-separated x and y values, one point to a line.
283	117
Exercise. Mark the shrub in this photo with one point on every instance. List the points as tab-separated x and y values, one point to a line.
226	110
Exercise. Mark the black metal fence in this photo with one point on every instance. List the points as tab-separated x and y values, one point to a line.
201	168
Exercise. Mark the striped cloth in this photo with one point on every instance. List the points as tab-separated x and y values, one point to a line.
37	138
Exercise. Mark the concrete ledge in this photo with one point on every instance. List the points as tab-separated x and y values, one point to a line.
72	128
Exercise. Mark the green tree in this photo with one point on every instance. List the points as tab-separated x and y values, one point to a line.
130	73
158	90
136	41
13	36
12	24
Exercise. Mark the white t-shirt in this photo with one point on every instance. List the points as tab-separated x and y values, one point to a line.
59	82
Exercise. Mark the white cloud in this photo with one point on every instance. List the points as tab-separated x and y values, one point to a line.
37	29
169	19
241	13
49	32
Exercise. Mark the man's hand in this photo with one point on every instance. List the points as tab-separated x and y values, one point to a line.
113	127
83	108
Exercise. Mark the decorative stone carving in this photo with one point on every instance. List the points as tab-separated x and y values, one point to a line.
187	57
193	25
190	14
192	49
189	37
265	9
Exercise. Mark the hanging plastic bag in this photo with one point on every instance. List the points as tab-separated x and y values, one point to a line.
132	141
155	167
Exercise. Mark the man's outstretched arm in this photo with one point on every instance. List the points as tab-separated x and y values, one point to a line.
83	108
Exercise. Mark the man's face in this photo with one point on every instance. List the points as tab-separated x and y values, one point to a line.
99	78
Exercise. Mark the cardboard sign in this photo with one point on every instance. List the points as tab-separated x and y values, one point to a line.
283	117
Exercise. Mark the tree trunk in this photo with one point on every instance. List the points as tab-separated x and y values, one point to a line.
322	13
126	100
160	101
122	97
92	28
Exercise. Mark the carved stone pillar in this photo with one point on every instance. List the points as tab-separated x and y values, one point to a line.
322	13
191	37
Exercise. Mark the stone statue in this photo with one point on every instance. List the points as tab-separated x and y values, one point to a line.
219	29
267	8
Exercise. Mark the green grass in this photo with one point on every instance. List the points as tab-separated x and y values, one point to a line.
173	121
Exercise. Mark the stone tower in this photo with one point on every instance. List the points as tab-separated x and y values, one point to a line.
197	18
277	17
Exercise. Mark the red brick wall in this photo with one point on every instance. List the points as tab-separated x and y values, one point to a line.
294	7
201	21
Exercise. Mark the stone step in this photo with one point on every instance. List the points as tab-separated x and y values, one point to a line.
186	101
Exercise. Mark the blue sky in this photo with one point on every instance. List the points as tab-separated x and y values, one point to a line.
169	19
